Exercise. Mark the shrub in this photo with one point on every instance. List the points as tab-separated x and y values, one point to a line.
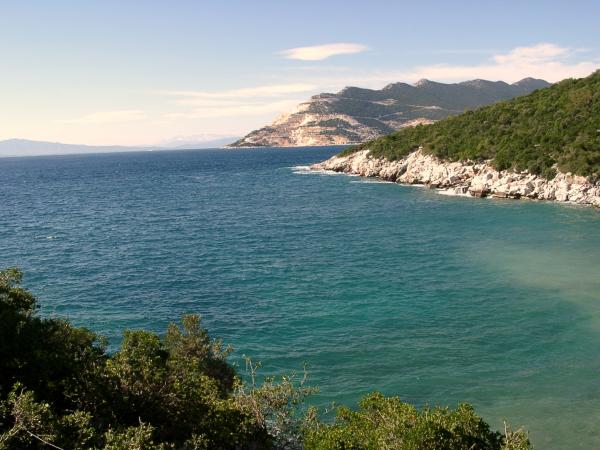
59	388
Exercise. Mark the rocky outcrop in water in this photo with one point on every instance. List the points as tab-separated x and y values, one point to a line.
467	178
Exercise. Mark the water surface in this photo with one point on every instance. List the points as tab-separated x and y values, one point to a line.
376	286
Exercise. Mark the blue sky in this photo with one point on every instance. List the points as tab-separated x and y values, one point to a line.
128	72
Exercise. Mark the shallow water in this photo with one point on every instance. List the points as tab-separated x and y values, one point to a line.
434	298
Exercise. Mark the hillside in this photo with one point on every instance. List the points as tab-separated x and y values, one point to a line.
356	115
553	128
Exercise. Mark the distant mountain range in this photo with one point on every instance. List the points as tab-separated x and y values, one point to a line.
196	142
356	115
26	147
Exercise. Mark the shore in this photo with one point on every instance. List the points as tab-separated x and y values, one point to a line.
466	178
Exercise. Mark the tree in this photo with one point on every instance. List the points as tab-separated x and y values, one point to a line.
388	423
59	388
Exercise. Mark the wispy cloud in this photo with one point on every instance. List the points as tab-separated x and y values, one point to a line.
255	105
321	52
273	90
102	117
234	110
536	53
250	101
545	60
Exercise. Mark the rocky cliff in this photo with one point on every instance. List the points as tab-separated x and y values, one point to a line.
358	115
467	178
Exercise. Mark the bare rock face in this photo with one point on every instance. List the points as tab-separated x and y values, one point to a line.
466	178
305	127
356	115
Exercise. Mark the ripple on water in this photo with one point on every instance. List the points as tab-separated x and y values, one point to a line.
434	298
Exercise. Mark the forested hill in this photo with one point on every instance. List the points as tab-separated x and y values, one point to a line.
555	127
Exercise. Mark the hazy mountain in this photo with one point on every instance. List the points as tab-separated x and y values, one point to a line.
356	115
26	147
197	141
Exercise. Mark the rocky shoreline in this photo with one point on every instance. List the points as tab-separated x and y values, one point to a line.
466	178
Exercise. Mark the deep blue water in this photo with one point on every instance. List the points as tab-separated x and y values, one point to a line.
376	286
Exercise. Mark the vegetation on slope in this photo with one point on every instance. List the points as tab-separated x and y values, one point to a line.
554	127
385	110
59	388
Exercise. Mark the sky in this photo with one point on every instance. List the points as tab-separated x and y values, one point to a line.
153	72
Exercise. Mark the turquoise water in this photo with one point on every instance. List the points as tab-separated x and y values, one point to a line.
376	286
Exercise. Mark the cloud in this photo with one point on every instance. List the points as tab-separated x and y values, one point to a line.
548	61
250	101
321	52
234	110
102	117
545	60
273	90
535	53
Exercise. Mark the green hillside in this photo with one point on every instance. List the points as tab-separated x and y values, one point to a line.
556	125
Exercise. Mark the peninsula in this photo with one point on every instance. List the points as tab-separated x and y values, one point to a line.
356	115
545	145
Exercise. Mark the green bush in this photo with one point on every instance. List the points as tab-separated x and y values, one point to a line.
57	380
59	388
388	423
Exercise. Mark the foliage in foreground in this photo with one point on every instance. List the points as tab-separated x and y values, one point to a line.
559	125
387	423
59	388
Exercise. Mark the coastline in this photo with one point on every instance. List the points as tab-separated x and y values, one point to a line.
241	147
466	178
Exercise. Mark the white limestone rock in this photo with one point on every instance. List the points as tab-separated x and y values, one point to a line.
466	178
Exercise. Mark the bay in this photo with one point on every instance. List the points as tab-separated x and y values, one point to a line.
374	285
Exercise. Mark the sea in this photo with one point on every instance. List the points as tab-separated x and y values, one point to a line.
373	286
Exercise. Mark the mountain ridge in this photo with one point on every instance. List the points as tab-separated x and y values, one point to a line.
542	146
355	114
549	129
